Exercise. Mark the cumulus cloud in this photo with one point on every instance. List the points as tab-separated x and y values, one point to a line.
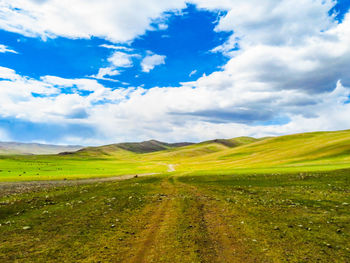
6	49
289	75
117	61
117	21
151	61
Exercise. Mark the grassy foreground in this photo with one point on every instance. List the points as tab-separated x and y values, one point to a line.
282	199
231	218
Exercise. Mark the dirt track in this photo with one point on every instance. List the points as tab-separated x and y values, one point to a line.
7	188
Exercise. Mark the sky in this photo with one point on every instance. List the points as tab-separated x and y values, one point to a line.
114	71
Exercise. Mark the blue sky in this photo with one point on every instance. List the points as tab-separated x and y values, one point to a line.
180	71
186	43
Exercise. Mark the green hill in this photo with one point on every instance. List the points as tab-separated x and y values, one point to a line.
202	148
317	148
34	148
317	151
133	147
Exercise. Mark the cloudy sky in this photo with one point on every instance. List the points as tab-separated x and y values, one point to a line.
97	72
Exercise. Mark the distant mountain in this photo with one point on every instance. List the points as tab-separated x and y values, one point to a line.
7	148
234	142
181	149
134	147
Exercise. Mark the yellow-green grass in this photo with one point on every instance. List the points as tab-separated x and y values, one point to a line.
52	167
308	151
318	151
283	199
231	218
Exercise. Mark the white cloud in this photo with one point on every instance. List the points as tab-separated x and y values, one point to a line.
108	71
151	61
168	113
272	22
5	49
193	72
117	61
121	59
117	21
116	47
291	72
162	26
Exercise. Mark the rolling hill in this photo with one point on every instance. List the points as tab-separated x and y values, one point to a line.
131	147
34	148
316	151
305	149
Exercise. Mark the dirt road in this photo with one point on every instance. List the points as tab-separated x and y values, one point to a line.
190	222
27	186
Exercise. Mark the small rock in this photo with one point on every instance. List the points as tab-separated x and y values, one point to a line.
26	227
112	226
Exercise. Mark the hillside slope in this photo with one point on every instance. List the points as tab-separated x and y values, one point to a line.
317	148
202	148
34	148
131	147
318	151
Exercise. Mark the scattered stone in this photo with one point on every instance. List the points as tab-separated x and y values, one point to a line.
112	226
26	227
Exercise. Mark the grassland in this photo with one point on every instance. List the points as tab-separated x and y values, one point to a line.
283	199
256	218
320	151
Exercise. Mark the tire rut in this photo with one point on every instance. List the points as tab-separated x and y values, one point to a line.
221	245
156	223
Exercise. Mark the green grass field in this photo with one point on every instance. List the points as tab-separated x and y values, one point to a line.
283	199
318	151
